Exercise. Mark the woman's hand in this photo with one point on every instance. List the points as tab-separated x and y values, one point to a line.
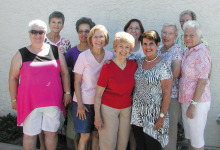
190	111
14	105
81	111
159	123
66	99
98	123
106	62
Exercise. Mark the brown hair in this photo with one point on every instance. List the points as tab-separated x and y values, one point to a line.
134	20
151	35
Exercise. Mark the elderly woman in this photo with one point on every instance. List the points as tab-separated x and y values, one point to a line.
151	96
135	28
113	96
87	70
36	89
194	91
56	23
173	54
83	26
184	17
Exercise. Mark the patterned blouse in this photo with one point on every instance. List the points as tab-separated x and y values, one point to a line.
180	41
173	53
136	55
147	99
63	44
196	65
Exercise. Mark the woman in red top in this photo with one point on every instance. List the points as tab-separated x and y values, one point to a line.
113	96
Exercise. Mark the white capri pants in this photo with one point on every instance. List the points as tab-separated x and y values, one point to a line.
194	128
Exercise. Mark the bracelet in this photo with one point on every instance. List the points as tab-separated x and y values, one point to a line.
193	102
67	93
14	100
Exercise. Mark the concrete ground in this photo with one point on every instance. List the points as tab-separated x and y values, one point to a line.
4	146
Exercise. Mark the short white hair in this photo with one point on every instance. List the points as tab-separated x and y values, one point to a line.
37	22
193	24
170	24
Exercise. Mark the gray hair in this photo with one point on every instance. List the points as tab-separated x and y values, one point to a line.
37	22
193	24
188	12
170	24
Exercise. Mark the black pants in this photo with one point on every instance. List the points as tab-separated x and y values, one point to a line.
144	141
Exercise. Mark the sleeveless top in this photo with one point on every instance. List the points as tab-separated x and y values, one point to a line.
40	82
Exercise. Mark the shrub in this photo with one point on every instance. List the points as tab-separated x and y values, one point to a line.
9	129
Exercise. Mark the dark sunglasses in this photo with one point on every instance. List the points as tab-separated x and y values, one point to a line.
35	32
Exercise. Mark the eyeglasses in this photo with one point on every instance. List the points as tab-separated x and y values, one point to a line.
81	32
134	29
183	21
35	32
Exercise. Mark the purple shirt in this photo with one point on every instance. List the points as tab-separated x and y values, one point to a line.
72	56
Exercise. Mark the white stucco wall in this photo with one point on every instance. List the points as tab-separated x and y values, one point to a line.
15	15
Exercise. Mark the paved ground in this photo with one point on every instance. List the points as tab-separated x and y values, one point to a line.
4	146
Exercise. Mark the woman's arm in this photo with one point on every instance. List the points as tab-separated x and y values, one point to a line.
14	78
176	68
98	98
167	89
80	107
197	95
65	79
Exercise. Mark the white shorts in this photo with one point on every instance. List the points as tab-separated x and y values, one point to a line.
194	128
43	118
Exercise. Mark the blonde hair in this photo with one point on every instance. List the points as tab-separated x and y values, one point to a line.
123	37
92	32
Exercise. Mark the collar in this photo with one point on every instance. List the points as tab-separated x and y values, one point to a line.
197	47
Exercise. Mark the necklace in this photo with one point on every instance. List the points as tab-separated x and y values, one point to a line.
151	60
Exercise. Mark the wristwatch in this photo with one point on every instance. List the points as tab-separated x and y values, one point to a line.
161	115
193	102
67	93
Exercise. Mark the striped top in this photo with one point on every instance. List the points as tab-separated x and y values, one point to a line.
147	99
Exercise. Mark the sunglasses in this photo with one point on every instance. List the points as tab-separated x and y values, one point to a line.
35	32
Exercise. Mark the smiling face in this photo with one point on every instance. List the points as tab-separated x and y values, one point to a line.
149	48
191	38
168	36
122	50
134	29
56	25
83	32
98	39
37	38
184	19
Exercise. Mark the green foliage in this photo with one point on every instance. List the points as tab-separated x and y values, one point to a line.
9	129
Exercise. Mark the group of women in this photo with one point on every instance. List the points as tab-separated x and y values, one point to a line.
138	92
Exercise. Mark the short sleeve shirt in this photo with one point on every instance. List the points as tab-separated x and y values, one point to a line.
196	65
148	98
89	68
118	84
173	53
63	44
